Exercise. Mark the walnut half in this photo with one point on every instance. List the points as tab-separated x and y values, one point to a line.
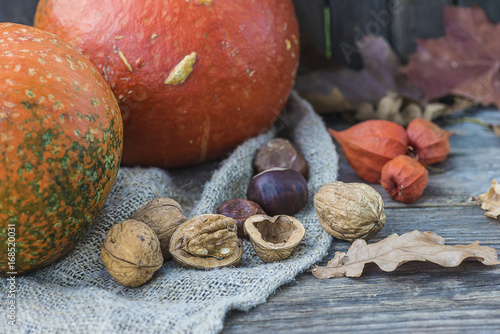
274	238
206	241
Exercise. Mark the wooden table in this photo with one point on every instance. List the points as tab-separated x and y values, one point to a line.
418	296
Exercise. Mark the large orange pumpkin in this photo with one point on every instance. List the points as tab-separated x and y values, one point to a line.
194	78
60	147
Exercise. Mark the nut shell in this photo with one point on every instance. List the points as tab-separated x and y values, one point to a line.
274	238
206	241
163	215
349	211
131	253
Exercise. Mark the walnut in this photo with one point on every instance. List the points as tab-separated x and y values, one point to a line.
131	253
274	238
206	241
349	211
163	215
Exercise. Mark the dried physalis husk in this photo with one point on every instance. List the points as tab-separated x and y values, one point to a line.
274	238
131	253
369	145
163	215
404	179
207	241
349	211
428	141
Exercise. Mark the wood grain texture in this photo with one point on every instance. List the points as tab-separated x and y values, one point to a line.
416	19
310	15
417	297
353	19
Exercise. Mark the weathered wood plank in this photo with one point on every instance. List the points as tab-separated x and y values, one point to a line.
18	11
492	8
311	17
414	298
418	296
353	19
416	19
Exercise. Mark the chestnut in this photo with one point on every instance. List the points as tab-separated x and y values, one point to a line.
240	209
280	152
279	191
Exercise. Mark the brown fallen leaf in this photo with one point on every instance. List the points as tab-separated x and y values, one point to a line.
465	62
331	87
395	250
491	200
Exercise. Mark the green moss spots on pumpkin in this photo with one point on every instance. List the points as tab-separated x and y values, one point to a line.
91	174
51	223
90	118
30	93
26	105
109	161
28	167
95	102
53	204
65	162
46	139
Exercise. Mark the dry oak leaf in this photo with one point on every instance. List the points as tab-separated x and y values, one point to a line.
465	62
395	250
331	87
491	200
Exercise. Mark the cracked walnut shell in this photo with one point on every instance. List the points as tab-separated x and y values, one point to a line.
131	253
163	215
207	241
274	238
349	211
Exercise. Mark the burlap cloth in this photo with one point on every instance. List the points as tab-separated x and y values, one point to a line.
77	295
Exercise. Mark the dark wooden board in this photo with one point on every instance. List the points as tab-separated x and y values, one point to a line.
311	17
18	11
492	8
350	21
416	19
417	297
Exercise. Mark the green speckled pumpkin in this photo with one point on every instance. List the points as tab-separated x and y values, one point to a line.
60	147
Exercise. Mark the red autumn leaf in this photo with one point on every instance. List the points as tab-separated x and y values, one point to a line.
465	62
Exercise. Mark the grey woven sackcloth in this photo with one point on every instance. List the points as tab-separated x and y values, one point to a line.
77	295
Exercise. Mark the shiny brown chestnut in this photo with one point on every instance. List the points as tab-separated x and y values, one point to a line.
280	152
279	191
240	209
